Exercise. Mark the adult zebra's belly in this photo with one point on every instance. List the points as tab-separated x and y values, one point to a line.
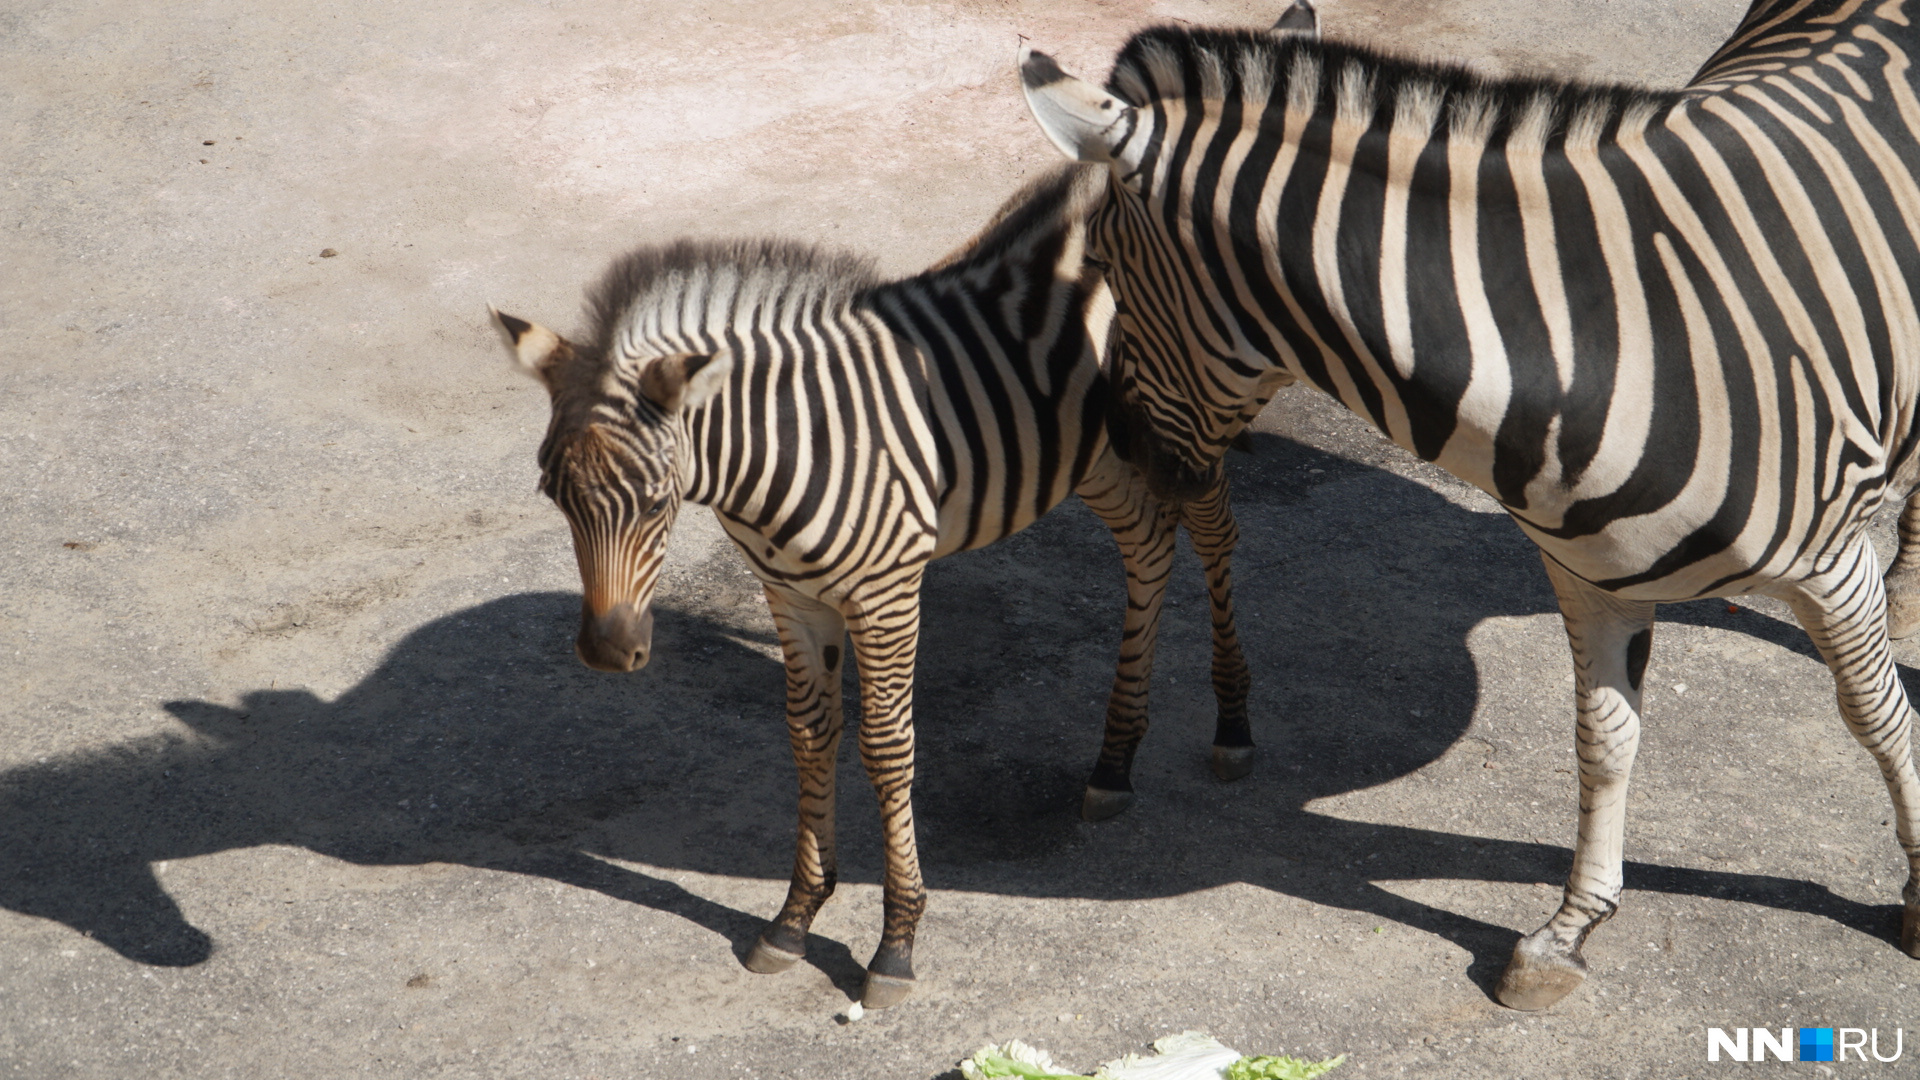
1677	553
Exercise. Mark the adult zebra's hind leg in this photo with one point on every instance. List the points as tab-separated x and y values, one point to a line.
1146	528
1844	612
812	637
1211	528
1611	639
1903	577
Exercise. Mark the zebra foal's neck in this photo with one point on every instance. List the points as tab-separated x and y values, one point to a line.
962	370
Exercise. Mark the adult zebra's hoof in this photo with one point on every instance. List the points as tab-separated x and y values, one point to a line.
1539	974
1910	924
765	959
884	990
1099	804
1232	762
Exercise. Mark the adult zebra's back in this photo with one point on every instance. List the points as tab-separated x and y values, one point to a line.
1673	333
846	432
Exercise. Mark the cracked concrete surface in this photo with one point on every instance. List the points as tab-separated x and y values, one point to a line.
299	777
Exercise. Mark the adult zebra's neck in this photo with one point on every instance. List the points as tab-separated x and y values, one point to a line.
1507	277
1471	279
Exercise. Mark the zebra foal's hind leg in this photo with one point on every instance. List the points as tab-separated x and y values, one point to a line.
812	637
886	644
1611	639
1844	610
1146	529
1903	577
1214	534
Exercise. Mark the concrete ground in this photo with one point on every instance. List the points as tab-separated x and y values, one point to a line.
299	776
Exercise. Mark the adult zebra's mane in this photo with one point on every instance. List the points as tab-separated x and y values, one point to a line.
1366	85
700	286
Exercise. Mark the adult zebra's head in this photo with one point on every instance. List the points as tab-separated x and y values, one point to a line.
610	463
1186	376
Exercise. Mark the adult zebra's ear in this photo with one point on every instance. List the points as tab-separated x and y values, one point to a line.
1085	122
1300	18
536	349
684	380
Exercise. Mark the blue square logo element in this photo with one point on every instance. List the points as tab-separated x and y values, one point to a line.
1816	1044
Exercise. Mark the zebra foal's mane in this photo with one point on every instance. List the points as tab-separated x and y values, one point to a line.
713	284
1368	86
718	284
1055	200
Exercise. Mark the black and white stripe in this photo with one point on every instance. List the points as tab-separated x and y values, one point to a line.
1673	333
846	432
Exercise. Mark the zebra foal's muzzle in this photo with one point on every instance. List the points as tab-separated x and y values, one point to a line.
618	639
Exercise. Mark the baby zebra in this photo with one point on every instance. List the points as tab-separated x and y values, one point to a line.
847	431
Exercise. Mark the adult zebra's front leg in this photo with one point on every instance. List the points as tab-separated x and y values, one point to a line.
812	636
1844	611
1611	639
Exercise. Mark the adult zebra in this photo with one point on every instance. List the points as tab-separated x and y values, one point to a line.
1672	333
846	432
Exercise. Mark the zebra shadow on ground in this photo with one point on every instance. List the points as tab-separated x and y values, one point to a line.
480	740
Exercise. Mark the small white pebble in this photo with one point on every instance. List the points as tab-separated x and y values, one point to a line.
1679	688
855	1011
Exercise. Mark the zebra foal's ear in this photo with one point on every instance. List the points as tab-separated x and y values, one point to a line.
1299	18
1085	122
535	348
685	380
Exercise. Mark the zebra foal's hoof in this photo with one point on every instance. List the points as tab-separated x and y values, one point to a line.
1099	804
765	959
1232	762
889	976
884	990
1539	974
1910	925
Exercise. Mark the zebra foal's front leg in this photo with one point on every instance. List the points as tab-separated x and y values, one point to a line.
886	643
1611	639
812	636
1844	611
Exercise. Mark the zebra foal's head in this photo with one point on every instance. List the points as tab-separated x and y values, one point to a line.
609	463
